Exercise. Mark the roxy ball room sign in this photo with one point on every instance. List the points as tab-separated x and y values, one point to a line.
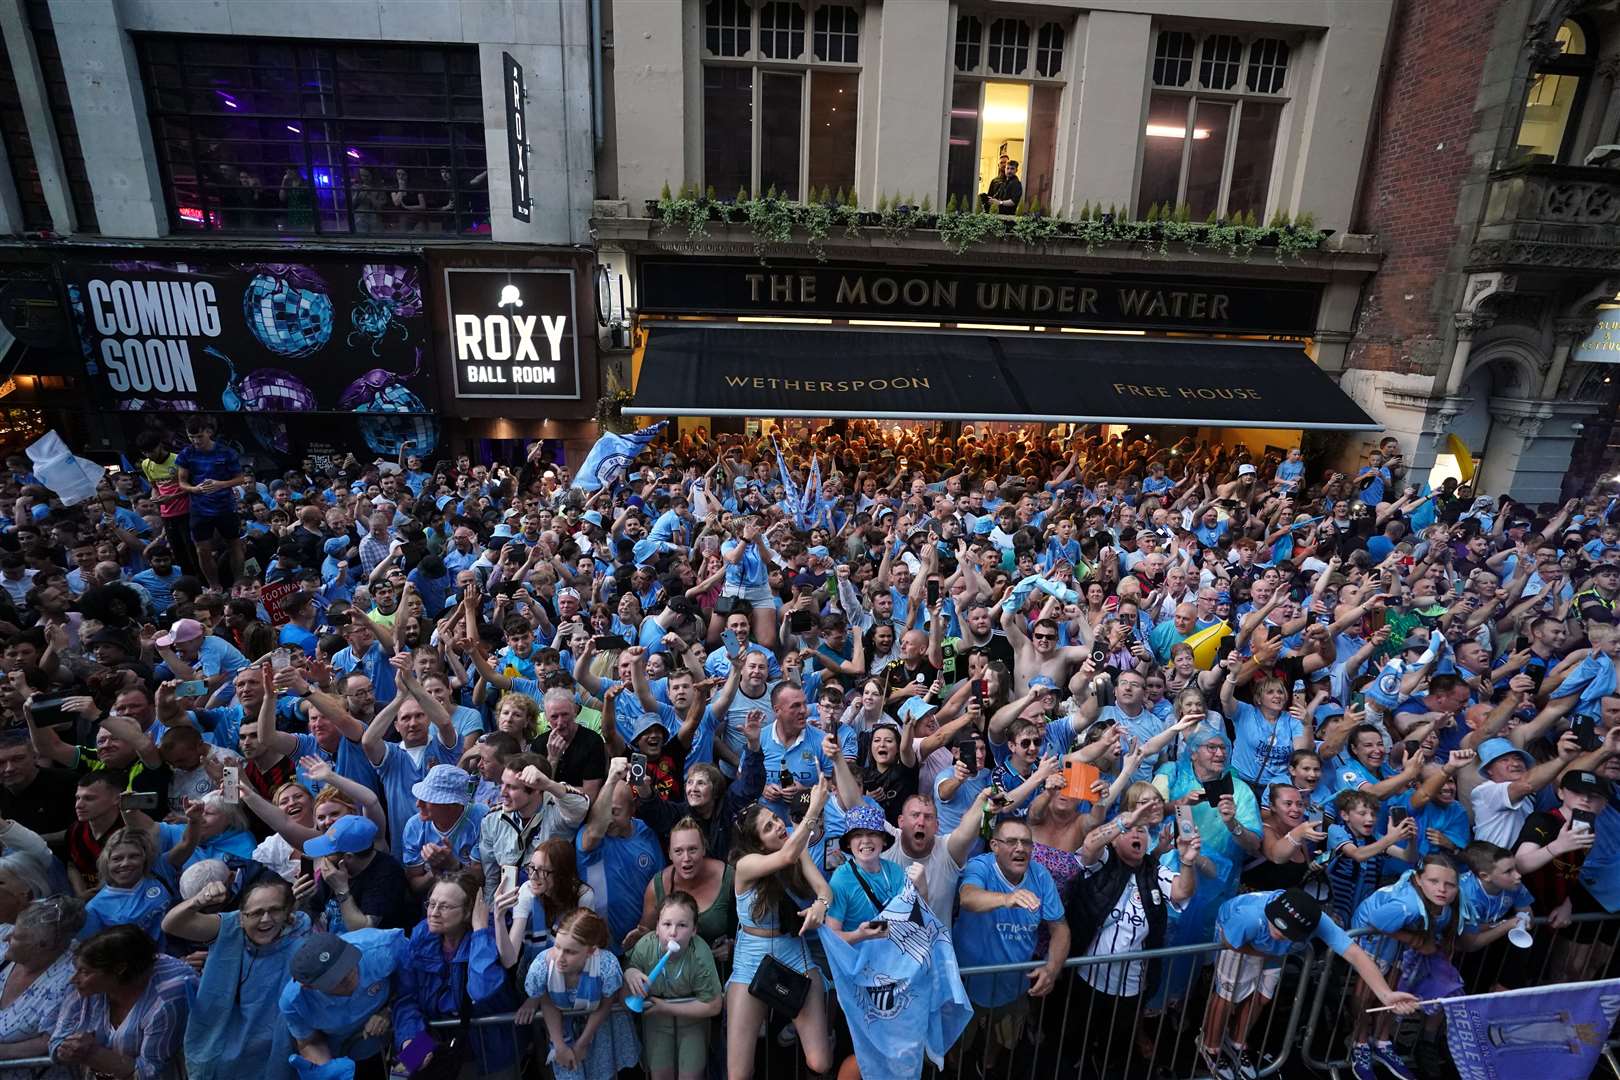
513	333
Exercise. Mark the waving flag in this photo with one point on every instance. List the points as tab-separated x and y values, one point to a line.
1593	680
612	455
792	498
896	988
810	498
1550	1032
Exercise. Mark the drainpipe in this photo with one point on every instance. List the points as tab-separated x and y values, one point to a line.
598	108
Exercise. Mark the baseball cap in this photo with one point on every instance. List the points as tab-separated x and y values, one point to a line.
443	784
182	630
1585	783
1041	682
1494	750
349	835
1418	639
323	961
1294	913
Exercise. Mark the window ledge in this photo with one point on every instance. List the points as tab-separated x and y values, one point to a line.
613	225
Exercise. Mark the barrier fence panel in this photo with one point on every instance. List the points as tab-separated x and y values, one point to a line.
1142	1016
1582	951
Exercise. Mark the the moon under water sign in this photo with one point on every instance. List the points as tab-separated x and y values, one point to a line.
513	333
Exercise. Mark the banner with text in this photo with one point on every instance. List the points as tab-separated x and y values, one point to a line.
1549	1032
266	340
950	294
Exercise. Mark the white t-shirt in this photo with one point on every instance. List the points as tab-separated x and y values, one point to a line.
940	873
1496	819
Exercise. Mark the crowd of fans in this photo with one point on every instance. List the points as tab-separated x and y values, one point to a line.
292	767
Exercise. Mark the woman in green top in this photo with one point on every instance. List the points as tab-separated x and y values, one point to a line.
707	881
675	1035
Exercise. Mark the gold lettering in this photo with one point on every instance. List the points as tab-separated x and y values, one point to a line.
851	292
1065	298
1200	306
790	384
915	292
987	294
879	384
826	387
807	288
945	294
1041	298
1088	302
759	383
781	289
1132	301
885	291
1217	306
1015	297
736	380
754	281
921	383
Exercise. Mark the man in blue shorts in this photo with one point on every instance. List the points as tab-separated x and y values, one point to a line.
209	473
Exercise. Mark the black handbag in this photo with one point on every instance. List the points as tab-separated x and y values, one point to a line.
779	986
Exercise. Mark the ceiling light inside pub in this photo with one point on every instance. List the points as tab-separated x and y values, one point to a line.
1005	114
1168	131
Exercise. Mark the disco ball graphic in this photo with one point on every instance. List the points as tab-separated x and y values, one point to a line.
267	390
393	294
163	404
395	285
386	433
288	310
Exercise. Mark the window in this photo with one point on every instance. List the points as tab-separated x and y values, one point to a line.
67	130
1552	104
259	135
807	106
1005	120
726	27
1009	46
781	30
1210	142
1049	51
969	37
19	147
838	34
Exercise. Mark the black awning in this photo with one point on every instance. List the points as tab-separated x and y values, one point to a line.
728	370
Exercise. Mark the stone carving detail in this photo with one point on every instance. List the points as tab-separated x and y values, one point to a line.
1581	203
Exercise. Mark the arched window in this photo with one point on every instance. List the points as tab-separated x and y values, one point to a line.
1552	103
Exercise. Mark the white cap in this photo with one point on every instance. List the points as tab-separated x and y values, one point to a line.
1246	470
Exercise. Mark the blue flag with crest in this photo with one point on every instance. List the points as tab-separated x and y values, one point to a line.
611	457
1549	1032
902	993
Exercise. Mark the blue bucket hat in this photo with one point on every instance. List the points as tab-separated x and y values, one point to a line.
445	785
867	817
1494	750
915	708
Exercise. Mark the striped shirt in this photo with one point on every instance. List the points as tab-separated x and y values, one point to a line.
1125	930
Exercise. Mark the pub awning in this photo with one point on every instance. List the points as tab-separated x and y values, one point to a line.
708	369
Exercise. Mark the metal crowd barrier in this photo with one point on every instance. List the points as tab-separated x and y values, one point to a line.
1154	1035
